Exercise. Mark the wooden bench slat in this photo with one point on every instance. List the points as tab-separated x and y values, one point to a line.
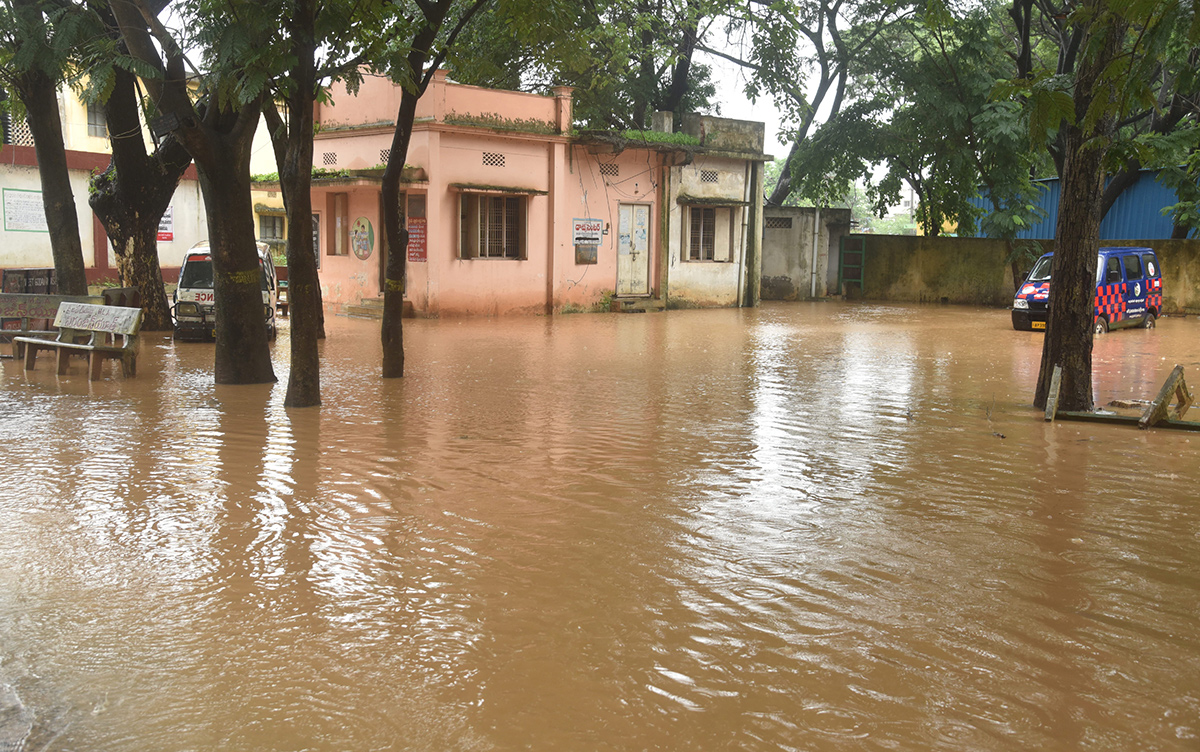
35	308
101	325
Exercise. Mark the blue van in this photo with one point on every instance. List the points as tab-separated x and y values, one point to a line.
1128	291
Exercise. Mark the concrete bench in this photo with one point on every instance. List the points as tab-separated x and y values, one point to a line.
99	332
28	309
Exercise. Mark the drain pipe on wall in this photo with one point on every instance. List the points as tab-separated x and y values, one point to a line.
812	293
742	272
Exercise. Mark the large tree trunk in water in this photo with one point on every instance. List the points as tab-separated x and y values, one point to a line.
130	197
137	261
1068	341
392	330
295	170
304	294
242	355
40	96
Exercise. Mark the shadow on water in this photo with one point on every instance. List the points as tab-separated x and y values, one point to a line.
807	526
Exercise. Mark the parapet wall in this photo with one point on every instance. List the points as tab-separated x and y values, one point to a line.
973	271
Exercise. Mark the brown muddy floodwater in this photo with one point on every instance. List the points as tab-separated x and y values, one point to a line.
789	528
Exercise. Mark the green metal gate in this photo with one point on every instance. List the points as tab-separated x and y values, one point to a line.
850	264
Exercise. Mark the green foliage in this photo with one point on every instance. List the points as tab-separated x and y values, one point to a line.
658	137
619	55
318	173
1184	179
490	120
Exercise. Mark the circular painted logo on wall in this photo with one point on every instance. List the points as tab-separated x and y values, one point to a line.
362	238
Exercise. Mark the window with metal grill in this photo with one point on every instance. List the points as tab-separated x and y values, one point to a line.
700	239
270	227
492	159
778	223
19	133
610	170
329	158
709	236
384	155
491	226
97	125
709	176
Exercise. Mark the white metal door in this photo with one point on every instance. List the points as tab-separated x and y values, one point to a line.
633	249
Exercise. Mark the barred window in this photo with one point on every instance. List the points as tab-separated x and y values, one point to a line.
270	227
491	226
701	243
97	125
779	223
709	233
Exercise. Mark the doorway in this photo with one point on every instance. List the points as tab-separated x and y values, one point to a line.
633	249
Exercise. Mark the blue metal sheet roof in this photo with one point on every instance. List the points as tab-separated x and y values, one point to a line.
1136	214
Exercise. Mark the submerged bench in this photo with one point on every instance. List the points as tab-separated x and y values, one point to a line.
99	332
32	308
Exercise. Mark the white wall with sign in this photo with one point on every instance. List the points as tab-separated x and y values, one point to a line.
25	237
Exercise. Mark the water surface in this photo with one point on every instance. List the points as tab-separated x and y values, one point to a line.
808	527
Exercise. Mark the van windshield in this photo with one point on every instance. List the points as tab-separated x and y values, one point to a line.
1041	270
198	275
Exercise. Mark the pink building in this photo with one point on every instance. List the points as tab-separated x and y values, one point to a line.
510	211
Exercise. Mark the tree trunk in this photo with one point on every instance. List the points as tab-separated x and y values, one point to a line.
219	135
40	96
130	197
295	173
242	356
392	330
137	261
783	186
1068	341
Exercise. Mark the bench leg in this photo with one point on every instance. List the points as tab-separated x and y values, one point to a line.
30	356
129	364
63	354
95	363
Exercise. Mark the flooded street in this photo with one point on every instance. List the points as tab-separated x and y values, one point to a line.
802	527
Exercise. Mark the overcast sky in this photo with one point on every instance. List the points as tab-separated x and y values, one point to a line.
731	82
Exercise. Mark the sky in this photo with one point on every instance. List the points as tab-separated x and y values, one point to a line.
731	80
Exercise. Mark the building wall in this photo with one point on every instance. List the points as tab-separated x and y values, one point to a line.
468	140
787	272
595	186
723	184
919	269
973	270
26	243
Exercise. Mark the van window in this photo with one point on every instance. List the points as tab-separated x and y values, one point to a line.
1041	270
1112	270
197	274
1133	267
1152	270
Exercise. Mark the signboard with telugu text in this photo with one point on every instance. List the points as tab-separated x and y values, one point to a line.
166	226
418	239
587	231
24	211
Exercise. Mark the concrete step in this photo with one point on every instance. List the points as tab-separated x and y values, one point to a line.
636	305
372	308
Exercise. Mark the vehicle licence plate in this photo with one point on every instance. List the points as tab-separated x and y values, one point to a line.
1038	324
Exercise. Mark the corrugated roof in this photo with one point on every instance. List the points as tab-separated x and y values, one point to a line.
1137	213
